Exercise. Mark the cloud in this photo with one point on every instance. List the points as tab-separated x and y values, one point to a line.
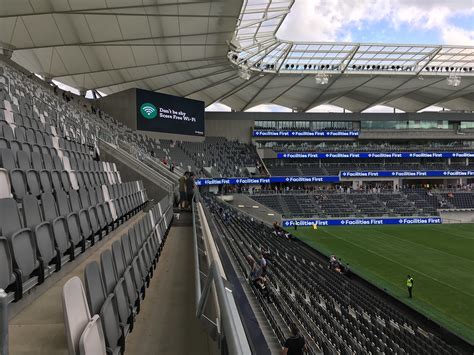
327	108
381	108
218	107
269	108
332	20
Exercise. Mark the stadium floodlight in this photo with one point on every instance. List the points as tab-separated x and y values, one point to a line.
321	79
244	73
453	80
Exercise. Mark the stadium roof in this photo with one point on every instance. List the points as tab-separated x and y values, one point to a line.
226	51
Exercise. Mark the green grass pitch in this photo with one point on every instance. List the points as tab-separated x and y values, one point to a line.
439	257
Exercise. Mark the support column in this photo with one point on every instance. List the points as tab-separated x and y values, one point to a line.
356	184
396	184
6	50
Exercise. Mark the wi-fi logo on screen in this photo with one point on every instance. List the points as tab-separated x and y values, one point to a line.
148	111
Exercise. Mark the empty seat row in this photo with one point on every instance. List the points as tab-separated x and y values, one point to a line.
32	130
42	233
98	319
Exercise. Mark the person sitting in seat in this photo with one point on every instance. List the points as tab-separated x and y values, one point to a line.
265	253
256	278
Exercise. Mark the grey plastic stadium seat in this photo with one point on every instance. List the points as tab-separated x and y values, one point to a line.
75	233
9	278
85	223
76	312
5	186
18	183
23	160
62	203
50	211
7	159
7	131
37	161
42	231
95	290
61	238
10	222
126	248
25	256
33	182
109	275
125	310
92	341
140	281
118	258
56	180
75	201
132	292
114	339
20	134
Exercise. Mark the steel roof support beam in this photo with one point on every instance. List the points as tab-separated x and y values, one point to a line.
142	66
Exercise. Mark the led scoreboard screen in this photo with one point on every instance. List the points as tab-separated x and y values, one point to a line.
169	114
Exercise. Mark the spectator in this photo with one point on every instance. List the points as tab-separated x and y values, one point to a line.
295	344
190	187
263	264
257	279
182	191
265	253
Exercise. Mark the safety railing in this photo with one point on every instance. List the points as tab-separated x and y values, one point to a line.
3	323
139	165
214	297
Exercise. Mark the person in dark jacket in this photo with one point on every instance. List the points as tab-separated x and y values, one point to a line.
190	188
295	344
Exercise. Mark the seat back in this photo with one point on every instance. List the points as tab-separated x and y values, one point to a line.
118	258
110	324
10	218
92	341
5	186
95	290
123	304
7	277
109	275
24	252
76	312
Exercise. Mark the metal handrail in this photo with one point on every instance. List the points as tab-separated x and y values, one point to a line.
3	322
229	327
169	186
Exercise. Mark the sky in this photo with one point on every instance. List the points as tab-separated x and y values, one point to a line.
396	21
376	21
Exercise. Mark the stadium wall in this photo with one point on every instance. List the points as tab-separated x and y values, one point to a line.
121	106
457	216
238	125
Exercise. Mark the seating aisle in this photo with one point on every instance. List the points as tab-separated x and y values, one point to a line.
39	328
167	322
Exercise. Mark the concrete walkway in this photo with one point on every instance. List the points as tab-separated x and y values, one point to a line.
246	204
38	328
167	323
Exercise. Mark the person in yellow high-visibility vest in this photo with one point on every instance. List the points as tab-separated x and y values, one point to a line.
410	285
